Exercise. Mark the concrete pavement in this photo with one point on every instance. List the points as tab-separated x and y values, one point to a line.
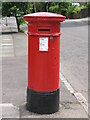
14	85
83	20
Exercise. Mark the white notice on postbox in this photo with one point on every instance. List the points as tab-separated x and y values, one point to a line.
43	43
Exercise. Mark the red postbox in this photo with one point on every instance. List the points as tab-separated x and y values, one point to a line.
43	61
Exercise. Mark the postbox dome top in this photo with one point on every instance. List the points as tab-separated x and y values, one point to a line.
44	16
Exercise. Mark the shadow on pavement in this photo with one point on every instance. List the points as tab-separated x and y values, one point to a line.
8	32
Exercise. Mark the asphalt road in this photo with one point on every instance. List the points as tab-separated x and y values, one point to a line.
74	55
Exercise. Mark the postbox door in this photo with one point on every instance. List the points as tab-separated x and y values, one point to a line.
43	60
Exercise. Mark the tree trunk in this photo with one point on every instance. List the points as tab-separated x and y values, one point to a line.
18	26
34	7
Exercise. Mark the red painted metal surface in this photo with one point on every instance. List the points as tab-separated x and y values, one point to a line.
44	16
43	66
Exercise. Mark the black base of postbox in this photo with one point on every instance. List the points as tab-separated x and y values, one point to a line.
42	102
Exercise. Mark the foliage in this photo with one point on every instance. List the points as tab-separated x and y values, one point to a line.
21	8
0	9
74	10
13	8
88	4
40	6
30	7
70	10
78	9
54	9
22	21
64	6
18	9
59	7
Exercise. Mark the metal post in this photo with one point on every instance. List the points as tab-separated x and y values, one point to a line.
47	6
34	8
6	21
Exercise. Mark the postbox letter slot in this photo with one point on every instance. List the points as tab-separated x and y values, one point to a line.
41	29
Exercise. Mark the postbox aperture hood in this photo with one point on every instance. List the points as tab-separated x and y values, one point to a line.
44	16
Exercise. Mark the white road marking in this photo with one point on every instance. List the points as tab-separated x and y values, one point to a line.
81	99
8	105
7	55
6	49
5	39
8	110
5	44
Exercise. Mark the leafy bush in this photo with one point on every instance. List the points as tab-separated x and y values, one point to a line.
59	7
70	10
22	21
88	5
64	11
74	10
77	9
54	9
30	8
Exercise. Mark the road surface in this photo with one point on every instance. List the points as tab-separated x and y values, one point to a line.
74	55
